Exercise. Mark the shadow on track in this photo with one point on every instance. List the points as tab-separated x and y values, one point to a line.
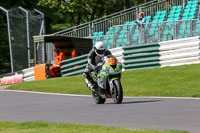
132	102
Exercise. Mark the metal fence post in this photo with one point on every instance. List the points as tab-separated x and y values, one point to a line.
128	35
114	38
42	30
91	28
28	37
175	31
184	1
191	28
9	37
159	35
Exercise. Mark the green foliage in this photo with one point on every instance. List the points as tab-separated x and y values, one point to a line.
180	81
4	46
80	11
49	127
59	27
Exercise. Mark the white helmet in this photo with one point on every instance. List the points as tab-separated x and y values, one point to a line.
100	48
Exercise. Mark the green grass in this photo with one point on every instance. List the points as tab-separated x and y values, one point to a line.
47	127
179	81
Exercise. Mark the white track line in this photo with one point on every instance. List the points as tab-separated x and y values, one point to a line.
45	93
76	95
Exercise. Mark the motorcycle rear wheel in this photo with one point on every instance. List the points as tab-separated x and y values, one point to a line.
98	99
117	92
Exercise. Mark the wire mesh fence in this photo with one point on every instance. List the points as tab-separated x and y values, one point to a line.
18	37
22	26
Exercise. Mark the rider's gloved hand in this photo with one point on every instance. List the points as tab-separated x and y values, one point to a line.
100	64
96	68
93	67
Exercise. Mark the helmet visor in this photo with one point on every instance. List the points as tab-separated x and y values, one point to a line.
101	52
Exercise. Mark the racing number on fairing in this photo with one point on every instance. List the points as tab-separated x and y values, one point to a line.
111	61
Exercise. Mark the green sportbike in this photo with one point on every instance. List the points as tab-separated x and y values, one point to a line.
107	81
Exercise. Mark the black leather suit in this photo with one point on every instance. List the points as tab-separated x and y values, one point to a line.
93	60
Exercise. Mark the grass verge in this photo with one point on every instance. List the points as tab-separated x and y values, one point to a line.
179	81
47	127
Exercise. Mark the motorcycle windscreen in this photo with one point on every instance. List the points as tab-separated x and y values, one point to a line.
111	61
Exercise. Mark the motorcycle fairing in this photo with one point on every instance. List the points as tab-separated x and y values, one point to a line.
102	78
110	70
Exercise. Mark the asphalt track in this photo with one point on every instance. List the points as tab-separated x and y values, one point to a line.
135	112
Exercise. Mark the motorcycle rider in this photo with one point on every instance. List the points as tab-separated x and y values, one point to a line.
95	56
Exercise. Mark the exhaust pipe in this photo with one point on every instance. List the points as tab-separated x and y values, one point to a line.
89	85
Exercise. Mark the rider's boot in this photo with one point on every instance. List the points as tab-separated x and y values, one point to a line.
88	81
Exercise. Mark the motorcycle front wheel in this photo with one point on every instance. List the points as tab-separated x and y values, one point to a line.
98	99
117	92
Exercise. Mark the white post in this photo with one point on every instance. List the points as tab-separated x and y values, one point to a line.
9	38
28	38
42	29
